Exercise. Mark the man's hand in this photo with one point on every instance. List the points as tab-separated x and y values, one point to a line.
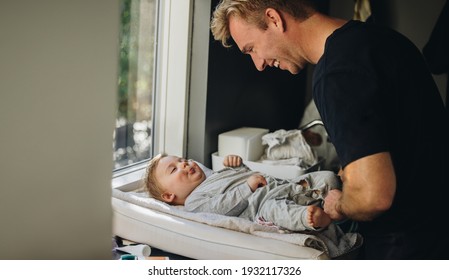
331	205
232	161
256	181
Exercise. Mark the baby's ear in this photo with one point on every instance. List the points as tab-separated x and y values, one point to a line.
168	197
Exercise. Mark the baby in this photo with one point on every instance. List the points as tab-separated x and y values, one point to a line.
238	191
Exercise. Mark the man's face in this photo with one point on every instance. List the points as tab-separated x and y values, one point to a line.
266	47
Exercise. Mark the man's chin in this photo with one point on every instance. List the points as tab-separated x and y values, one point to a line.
296	70
293	70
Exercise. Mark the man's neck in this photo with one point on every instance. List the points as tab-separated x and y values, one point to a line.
313	33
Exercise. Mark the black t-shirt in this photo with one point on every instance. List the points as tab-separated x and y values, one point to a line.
375	93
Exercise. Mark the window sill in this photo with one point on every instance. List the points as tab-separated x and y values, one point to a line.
129	178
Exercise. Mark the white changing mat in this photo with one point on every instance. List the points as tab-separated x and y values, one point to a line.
210	236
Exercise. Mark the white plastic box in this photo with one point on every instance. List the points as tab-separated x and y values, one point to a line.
245	142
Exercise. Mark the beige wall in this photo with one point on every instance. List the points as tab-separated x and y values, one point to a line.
58	74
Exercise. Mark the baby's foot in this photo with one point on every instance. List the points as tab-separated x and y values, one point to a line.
317	218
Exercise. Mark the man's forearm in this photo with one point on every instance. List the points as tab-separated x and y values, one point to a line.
354	209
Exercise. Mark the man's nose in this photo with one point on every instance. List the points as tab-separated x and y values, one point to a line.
258	62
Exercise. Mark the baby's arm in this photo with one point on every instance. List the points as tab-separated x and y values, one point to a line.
256	181
231	203
232	161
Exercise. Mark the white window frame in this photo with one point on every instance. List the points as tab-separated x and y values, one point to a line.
172	86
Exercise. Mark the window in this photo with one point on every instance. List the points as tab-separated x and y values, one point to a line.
153	101
132	140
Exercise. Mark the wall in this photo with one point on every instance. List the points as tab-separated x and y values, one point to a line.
198	81
239	95
59	74
413	18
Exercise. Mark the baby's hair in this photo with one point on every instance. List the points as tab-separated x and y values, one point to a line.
152	185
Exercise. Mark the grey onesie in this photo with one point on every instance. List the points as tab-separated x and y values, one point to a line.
282	202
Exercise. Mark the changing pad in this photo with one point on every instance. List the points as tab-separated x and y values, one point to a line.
211	236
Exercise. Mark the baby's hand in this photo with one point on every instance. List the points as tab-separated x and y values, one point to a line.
232	161
256	181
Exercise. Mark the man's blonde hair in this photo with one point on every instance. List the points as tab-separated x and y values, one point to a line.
152	185
252	11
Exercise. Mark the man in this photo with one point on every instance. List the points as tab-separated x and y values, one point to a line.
382	111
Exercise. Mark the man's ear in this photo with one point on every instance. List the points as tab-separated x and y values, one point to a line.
275	18
168	197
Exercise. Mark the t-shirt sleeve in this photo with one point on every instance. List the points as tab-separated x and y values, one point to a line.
353	113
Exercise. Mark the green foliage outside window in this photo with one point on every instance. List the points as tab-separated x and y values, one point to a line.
132	137
125	27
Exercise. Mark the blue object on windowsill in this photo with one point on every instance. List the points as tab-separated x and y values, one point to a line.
128	257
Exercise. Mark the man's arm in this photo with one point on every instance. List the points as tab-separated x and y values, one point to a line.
369	186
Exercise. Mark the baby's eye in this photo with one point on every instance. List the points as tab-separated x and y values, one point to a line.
173	170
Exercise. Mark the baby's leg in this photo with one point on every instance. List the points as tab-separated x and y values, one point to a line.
316	217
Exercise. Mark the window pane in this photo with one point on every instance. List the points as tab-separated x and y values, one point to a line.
132	137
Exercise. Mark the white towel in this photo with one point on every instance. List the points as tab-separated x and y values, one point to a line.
288	145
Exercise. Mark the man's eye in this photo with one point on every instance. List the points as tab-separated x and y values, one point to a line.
247	50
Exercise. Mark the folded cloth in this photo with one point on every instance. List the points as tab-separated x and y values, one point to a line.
291	145
289	161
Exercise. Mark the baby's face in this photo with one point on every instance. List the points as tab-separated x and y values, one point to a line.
179	177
